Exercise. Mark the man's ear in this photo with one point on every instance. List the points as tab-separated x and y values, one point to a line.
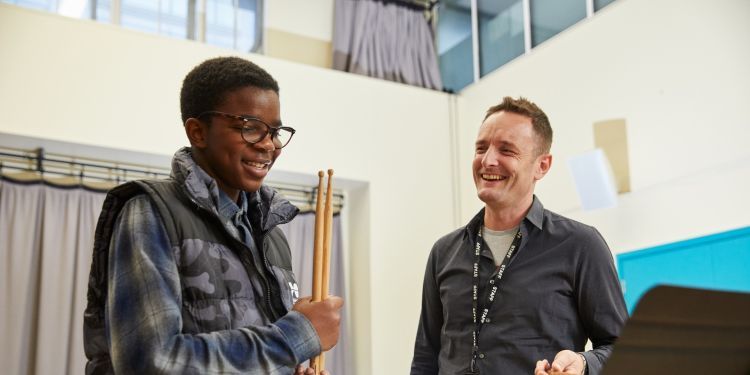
544	163
196	132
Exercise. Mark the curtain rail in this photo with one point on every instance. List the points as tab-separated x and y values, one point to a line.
37	165
413	4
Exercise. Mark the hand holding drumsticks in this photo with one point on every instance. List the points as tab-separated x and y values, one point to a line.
324	316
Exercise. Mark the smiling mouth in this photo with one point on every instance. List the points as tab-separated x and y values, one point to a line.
257	165
493	177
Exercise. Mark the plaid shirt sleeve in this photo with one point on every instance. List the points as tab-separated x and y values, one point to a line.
144	321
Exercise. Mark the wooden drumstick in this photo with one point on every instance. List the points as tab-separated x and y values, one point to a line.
318	245
327	237
318	256
318	363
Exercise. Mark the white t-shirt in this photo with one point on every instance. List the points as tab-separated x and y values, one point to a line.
499	242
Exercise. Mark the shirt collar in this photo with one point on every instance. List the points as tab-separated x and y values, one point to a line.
536	213
535	216
229	208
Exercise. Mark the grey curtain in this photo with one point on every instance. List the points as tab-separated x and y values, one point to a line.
300	233
385	40
46	235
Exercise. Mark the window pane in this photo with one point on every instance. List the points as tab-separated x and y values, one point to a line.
48	5
549	17
454	44
220	23
140	15
103	10
599	4
500	33
173	18
246	25
74	8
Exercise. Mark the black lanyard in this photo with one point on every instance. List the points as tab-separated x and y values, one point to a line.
495	281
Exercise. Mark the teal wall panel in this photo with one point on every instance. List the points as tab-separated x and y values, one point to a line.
719	261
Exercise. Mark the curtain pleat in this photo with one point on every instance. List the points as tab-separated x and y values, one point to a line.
20	221
46	236
89	207
385	41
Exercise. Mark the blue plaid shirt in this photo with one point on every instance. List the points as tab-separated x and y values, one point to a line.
145	309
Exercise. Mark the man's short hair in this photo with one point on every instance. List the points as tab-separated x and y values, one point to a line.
206	86
539	120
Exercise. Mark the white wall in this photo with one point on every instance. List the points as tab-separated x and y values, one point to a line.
679	73
79	81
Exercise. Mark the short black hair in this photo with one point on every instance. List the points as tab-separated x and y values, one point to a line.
539	120
205	87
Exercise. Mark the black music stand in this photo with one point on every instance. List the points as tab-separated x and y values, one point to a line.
685	331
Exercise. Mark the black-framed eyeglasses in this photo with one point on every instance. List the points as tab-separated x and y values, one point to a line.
254	130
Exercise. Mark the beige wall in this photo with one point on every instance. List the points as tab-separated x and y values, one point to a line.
679	73
83	82
310	18
294	47
299	31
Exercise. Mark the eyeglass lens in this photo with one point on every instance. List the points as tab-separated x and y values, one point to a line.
254	131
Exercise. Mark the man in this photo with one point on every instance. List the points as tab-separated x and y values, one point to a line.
192	274
520	289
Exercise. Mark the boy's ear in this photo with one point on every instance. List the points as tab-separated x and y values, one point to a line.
196	132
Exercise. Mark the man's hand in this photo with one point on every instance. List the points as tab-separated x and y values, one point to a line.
301	370
566	362
324	316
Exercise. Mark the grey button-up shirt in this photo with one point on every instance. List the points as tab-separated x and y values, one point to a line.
559	290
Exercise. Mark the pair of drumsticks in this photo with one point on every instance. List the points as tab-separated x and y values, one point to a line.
322	253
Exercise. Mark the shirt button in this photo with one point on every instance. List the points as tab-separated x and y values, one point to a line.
481	355
487	320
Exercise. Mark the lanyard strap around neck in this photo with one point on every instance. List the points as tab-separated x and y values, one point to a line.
494	281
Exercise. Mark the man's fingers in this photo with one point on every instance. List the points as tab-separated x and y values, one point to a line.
557	367
564	360
541	367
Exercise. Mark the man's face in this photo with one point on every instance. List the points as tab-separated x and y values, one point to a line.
235	164
506	162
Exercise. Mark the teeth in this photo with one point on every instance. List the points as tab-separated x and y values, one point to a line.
256	164
491	176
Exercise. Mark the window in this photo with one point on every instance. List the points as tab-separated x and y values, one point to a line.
233	24
140	15
102	11
549	17
454	45
599	4
505	29
501	33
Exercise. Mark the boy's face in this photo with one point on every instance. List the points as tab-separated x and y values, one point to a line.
235	164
